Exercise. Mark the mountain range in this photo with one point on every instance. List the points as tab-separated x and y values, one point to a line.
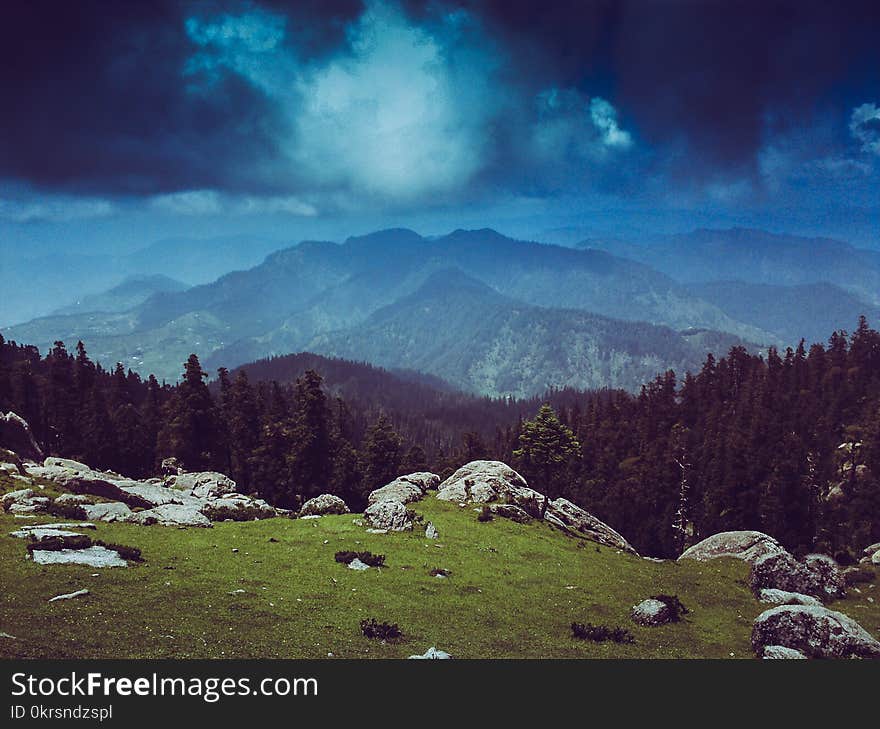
484	312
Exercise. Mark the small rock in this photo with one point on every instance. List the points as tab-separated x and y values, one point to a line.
783	597
69	595
651	612
780	652
324	504
92	556
431	531
432	654
356	564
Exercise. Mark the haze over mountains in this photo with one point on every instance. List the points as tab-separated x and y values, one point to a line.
484	312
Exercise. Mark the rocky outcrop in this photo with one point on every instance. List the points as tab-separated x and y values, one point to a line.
16	435
202	484
324	504
182	499
24	501
108	511
570	517
480	482
817	632
400	490
745	545
182	515
389	515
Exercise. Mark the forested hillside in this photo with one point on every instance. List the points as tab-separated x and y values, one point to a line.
788	444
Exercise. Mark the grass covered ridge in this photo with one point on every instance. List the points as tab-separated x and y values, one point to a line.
513	591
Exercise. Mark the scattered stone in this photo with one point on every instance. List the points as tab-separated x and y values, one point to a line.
324	504
651	613
875	558
871	549
171	466
16	497
745	545
60	525
69	595
780	652
356	564
431	531
815	631
570	517
432	654
6	635
92	556
390	515
783	597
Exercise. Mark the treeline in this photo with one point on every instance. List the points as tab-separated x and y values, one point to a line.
787	443
286	439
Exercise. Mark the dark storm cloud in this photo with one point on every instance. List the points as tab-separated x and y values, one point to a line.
357	99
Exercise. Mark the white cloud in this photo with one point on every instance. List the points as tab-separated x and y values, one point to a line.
864	125
55	209
403	112
604	117
570	124
211	202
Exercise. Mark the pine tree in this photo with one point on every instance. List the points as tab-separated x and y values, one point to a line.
546	447
381	454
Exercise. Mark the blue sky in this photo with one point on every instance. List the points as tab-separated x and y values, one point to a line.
127	123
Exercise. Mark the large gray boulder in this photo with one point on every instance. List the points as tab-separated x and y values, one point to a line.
400	489
781	571
109	511
480	482
182	515
745	545
324	504
570	517
238	507
390	515
24	501
203	484
16	435
817	632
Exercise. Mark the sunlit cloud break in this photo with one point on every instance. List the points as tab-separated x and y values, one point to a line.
211	202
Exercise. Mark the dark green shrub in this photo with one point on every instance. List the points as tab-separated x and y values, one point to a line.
368	558
56	544
485	514
601	633
676	608
380	631
132	554
67	511
235	513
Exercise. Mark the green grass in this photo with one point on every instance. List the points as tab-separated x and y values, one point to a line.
513	592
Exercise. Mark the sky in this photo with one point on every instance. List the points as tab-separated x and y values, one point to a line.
124	123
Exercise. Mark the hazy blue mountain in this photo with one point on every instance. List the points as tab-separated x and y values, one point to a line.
481	341
296	294
755	256
36	286
133	291
808	311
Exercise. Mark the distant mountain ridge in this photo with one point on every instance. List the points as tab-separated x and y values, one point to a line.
755	256
132	292
299	297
